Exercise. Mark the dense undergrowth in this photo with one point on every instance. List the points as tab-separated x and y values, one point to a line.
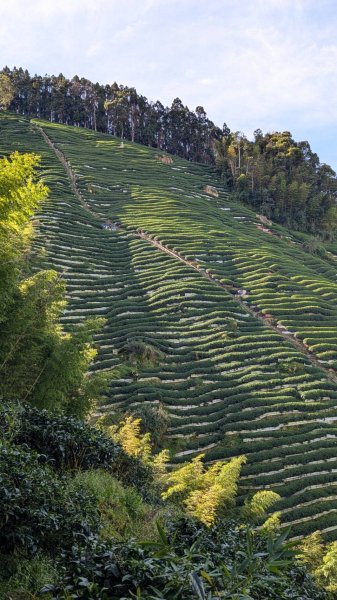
82	519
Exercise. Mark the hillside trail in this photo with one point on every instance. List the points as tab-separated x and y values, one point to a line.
70	173
228	289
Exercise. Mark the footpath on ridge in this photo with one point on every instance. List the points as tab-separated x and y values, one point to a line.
328	373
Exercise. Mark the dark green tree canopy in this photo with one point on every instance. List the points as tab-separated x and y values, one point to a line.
115	109
281	178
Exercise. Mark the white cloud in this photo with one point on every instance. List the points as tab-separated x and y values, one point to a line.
125	34
207	81
94	50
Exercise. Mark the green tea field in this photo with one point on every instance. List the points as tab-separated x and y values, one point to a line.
243	317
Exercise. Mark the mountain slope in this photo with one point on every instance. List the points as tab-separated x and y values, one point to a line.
241	312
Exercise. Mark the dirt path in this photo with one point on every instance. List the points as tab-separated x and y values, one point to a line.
329	374
70	173
253	312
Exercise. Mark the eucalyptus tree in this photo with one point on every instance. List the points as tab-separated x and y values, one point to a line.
6	91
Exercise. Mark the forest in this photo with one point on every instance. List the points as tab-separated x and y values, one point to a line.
116	109
283	179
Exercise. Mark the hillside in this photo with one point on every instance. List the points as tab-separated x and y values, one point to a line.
244	316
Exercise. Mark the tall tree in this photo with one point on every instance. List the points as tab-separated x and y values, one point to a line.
6	91
281	178
117	107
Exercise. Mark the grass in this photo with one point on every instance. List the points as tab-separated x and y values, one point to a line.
23	579
123	512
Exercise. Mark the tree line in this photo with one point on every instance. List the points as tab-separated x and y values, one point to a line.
279	177
116	109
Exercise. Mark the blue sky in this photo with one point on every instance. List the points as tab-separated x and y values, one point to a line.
270	64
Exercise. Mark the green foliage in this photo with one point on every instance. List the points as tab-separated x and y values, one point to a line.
123	512
20	195
70	444
46	508
67	443
140	353
207	493
291	366
7	91
312	550
138	446
272	524
127	434
244	403
326	573
256	508
321	560
84	520
39	362
73	511
30	333
314	246
37	511
65	381
23	578
282	178
190	562
155	420
116	109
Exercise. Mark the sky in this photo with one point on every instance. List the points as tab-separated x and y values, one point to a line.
268	64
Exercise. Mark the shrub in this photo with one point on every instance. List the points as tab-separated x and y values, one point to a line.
37	510
206	493
188	562
155	420
69	444
123	512
25	577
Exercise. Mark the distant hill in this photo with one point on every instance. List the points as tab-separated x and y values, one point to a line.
240	313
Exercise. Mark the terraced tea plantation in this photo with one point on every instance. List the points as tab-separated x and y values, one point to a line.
243	319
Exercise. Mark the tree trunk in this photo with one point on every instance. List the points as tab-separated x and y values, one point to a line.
95	125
